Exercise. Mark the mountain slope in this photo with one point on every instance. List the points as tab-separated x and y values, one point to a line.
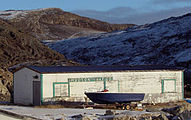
167	42
54	23
17	47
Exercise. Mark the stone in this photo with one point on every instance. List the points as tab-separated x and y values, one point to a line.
125	117
187	106
110	112
186	115
86	118
77	116
175	111
60	119
160	117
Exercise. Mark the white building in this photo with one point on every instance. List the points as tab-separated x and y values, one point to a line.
36	85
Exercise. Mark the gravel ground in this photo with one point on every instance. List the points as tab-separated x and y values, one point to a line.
49	114
6	117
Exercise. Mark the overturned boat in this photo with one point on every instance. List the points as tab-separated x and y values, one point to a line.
113	98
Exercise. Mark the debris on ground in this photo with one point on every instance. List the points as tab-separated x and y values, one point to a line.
165	111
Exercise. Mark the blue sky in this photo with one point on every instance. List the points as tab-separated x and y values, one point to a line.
113	11
98	5
70	5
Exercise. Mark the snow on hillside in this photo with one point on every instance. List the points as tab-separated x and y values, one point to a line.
10	14
166	42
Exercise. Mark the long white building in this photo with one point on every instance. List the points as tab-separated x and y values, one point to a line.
37	85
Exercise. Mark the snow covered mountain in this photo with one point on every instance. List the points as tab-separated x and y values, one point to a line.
166	42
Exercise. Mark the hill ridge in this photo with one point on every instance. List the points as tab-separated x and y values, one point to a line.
165	42
54	23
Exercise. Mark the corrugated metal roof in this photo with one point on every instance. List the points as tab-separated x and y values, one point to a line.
72	69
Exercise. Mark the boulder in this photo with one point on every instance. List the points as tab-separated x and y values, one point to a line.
60	119
160	117
80	117
186	115
5	85
110	112
77	116
175	111
187	106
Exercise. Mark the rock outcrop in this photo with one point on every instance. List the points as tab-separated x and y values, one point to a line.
6	85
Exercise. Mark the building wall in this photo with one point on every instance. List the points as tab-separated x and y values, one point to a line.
23	86
158	86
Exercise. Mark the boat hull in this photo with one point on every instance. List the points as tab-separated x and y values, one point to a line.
111	98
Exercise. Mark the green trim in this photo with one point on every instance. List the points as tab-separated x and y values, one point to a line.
68	89
182	84
54	83
90	79
41	83
53	90
104	83
60	82
162	82
118	85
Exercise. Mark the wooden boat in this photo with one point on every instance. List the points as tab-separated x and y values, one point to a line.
113	98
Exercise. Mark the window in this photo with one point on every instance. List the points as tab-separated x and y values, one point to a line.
168	85
60	89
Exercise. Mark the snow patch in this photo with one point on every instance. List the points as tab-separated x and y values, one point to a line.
166	42
10	14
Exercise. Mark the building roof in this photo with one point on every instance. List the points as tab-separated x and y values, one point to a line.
74	69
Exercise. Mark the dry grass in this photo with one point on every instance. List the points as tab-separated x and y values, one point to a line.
50	106
112	106
97	106
165	105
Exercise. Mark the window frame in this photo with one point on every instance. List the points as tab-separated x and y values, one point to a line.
162	83
56	83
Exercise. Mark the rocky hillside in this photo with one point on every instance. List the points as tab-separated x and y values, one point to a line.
166	42
17	47
54	23
20	32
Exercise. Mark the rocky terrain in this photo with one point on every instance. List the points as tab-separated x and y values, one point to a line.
181	111
166	111
17	47
166	42
54	23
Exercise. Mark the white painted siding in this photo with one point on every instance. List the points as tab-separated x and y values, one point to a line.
148	82
23	86
169	86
